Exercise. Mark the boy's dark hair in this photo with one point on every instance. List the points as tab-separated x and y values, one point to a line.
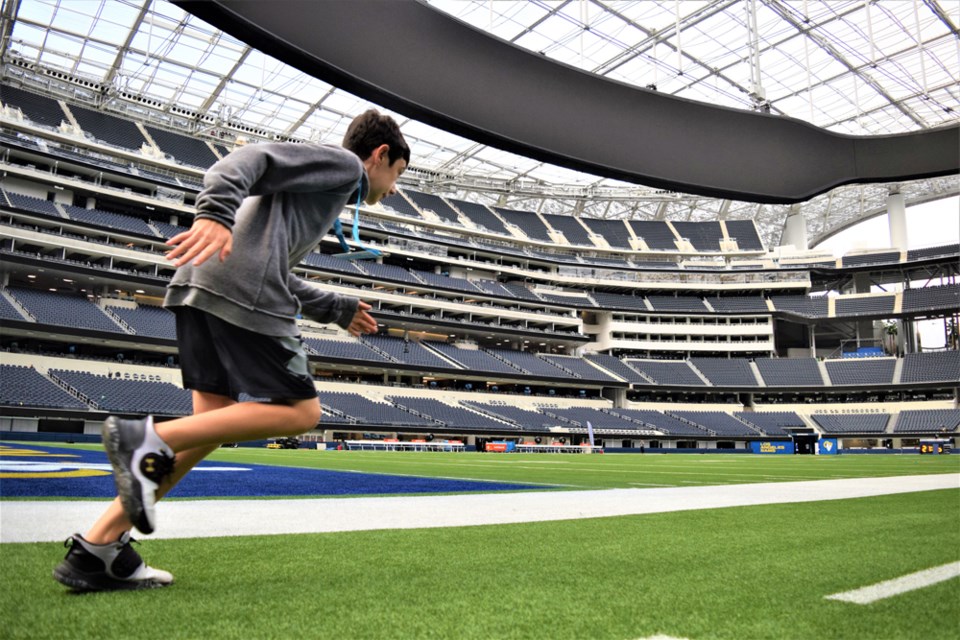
369	130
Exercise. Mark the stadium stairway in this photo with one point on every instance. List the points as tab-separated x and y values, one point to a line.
756	374
706	381
892	423
19	308
824	373
897	372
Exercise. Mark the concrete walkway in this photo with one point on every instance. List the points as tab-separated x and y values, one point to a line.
55	520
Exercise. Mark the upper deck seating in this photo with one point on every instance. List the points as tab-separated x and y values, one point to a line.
726	372
399	204
745	233
677	303
25	386
932	298
446	282
933	252
738	304
572	230
813	307
185	149
655	233
790	372
615	232
704	236
168	230
39	109
931	367
575	301
861	371
64	310
521	292
667	372
328	262
481	216
108	128
8	311
388	272
866	306
430	202
872	258
852	423
614	301
526	221
129	396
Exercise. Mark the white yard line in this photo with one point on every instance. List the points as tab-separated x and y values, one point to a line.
903	584
46	520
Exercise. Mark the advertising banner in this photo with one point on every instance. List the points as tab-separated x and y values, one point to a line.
772	447
827	447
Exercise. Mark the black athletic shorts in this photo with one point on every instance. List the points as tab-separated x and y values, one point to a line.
222	358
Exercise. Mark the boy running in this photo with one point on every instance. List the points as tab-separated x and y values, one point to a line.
270	204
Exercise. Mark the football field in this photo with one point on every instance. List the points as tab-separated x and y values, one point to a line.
761	571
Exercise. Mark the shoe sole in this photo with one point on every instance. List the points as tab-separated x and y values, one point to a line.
86	583
129	488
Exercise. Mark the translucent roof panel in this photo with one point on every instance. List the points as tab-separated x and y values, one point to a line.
854	67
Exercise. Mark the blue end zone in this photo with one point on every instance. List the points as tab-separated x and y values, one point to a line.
53	472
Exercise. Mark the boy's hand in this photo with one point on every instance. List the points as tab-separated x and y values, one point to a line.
362	321
204	239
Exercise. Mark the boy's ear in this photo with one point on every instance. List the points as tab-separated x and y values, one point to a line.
381	152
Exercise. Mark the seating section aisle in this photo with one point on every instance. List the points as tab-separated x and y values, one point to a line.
570	227
933	421
649	419
399	204
25	386
524	419
861	371
8	311
430	202
932	366
579	367
127	395
615	232
853	423
530	363
64	310
598	419
704	236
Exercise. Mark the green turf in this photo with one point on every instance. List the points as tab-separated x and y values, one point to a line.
747	572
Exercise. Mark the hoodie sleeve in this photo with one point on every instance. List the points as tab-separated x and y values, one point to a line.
323	306
273	168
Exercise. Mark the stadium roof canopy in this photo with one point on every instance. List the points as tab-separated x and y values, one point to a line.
855	67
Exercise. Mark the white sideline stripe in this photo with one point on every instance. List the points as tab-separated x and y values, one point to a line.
903	584
47	520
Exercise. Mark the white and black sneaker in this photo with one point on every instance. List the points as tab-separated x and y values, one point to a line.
107	567
140	460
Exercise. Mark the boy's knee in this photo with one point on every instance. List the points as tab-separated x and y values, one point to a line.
308	415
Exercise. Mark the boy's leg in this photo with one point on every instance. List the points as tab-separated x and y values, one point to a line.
114	522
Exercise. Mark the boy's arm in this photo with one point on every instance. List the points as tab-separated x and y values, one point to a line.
329	307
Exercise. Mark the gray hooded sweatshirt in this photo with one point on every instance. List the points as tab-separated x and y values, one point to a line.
279	199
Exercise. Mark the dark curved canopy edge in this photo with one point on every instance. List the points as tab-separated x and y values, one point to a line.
429	66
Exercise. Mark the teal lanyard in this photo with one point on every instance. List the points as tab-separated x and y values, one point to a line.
338	227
